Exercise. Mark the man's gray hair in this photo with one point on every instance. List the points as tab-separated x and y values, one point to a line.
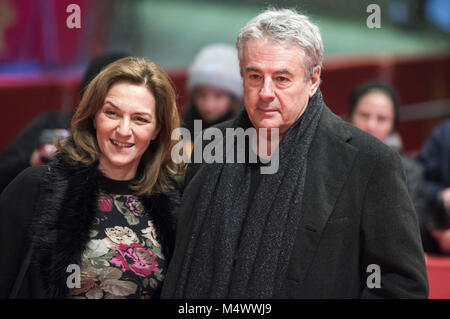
285	26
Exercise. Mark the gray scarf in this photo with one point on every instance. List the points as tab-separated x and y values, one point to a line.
242	250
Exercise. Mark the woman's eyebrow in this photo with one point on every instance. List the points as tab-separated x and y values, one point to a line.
135	113
112	104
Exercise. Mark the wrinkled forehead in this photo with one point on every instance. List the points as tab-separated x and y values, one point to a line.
271	54
270	41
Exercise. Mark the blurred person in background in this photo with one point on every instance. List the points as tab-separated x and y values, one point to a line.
214	85
435	159
104	204
34	144
374	108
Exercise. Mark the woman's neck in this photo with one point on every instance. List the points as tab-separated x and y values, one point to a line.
118	174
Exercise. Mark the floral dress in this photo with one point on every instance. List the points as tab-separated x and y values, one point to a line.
123	259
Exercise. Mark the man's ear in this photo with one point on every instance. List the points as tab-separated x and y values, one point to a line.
315	81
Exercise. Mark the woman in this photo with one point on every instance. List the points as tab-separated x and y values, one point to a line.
215	87
96	222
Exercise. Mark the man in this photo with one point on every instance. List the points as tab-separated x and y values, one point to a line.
334	221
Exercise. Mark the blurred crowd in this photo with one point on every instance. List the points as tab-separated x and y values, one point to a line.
215	95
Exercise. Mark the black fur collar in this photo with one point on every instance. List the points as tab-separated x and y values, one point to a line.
60	230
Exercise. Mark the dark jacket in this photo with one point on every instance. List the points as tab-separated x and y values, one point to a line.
356	212
46	214
435	159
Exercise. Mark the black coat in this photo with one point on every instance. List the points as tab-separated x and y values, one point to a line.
46	214
355	212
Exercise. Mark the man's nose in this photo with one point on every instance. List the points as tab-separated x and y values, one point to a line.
267	93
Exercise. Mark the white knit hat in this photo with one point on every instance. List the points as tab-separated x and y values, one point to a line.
216	65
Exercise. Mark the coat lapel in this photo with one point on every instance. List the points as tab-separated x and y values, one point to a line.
329	163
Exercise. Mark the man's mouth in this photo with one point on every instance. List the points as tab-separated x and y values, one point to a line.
119	144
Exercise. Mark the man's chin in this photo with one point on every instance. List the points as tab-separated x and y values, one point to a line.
267	126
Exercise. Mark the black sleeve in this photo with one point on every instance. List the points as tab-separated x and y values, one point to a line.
16	209
390	234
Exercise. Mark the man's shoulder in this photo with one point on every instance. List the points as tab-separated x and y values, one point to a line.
336	128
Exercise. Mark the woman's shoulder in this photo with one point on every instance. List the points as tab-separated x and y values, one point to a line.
28	179
18	199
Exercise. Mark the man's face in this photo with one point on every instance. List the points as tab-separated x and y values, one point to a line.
275	91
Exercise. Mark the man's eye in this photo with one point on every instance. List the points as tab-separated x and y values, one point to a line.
282	79
254	77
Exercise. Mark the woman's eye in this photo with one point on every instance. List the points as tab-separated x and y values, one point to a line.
142	119
110	112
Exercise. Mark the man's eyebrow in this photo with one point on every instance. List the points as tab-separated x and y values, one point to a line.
252	69
283	71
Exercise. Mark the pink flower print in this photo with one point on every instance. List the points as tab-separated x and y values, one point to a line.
132	202
105	203
136	258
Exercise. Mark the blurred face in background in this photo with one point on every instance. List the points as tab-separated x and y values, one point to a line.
125	126
212	103
374	114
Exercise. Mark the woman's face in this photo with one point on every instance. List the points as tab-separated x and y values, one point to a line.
212	103
125	126
374	114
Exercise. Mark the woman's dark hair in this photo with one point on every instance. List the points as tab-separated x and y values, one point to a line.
375	86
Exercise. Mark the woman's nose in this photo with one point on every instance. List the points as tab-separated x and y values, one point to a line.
124	127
